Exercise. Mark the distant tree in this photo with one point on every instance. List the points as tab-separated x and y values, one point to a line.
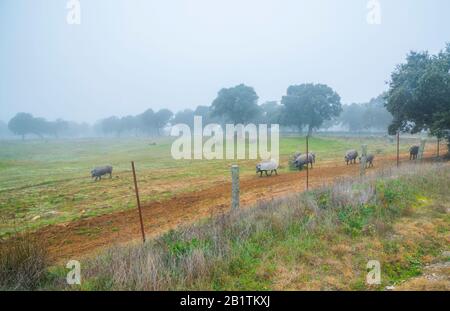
147	122
42	127
54	128
310	105
271	112
353	116
327	124
111	125
204	112
207	115
162	117
419	94
23	124
129	124
184	116
365	116
152	123
376	115
237	104
75	129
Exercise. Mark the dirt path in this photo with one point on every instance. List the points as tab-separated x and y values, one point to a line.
79	238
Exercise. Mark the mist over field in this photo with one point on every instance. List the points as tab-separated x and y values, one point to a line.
123	59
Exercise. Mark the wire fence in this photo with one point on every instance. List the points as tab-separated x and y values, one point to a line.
433	148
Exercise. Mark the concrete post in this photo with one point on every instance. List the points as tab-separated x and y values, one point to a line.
362	169
422	148
235	190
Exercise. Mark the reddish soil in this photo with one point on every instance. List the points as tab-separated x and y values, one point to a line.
83	237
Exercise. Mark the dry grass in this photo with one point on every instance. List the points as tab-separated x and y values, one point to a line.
23	263
315	240
318	240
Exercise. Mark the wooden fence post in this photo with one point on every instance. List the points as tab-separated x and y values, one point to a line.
235	187
362	168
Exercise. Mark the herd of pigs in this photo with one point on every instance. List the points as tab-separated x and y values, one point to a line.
270	167
300	160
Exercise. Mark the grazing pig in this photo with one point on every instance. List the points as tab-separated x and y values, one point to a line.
313	156
98	172
413	152
303	159
296	155
350	156
369	160
267	166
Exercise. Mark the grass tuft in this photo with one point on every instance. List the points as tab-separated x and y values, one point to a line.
23	263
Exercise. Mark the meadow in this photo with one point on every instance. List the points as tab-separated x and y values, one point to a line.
46	182
316	240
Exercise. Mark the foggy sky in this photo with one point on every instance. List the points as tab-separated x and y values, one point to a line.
127	56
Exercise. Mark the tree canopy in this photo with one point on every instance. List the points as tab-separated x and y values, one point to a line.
162	118
237	104
419	94
271	112
24	124
366	116
148	122
185	116
310	105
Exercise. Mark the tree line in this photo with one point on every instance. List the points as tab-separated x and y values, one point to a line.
418	99
305	107
23	124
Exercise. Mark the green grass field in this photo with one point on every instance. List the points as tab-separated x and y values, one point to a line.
317	240
48	182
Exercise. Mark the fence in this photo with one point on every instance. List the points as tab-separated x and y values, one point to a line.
363	164
235	183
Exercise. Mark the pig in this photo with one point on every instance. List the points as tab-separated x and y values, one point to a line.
413	152
369	160
98	172
303	159
351	156
266	166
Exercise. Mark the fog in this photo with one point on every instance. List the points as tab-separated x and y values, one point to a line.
128	56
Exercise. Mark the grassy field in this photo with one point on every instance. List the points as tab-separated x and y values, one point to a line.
48	182
318	240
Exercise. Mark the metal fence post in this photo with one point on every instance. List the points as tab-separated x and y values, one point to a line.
235	187
138	201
